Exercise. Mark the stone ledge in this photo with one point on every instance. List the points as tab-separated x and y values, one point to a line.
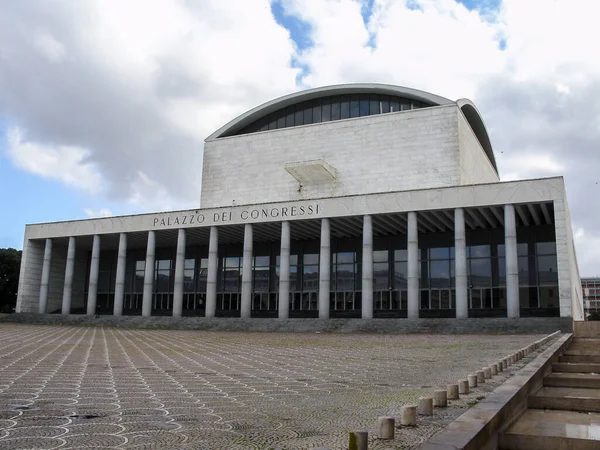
529	325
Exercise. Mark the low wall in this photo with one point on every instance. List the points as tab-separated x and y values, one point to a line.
589	329
529	325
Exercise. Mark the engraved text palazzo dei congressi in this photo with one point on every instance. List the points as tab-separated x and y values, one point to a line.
236	215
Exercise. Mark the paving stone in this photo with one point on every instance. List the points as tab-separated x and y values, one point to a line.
81	386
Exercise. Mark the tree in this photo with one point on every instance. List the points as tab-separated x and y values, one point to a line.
10	266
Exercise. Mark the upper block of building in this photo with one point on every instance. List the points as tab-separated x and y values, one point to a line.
350	139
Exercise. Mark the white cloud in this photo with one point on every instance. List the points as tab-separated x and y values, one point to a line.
67	164
120	95
102	212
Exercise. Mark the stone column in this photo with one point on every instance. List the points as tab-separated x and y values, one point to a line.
120	279
324	270
149	275
512	262
246	306
211	276
179	266
68	287
284	271
460	265
43	305
94	269
367	268
413	266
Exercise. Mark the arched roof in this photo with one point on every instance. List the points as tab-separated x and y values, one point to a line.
467	107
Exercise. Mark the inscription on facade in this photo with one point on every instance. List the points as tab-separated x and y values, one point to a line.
236	215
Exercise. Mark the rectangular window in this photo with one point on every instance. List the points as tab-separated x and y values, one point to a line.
354	106
289	116
345	107
385	103
298	117
326	110
336	107
316	115
374	104
394	104
364	105
308	119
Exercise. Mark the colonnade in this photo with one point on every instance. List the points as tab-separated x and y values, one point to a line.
462	306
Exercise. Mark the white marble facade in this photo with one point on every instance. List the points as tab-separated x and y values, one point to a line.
429	167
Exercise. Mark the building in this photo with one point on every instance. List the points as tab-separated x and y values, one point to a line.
358	200
591	294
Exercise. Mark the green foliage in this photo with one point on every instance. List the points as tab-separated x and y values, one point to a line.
594	316
10	265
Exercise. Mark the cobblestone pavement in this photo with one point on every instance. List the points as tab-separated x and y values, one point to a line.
92	387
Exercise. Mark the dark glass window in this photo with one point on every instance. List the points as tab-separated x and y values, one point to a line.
272	122
336	107
345	107
331	108
354	109
364	105
299	116
326	110
316	115
374	105
308	119
385	103
281	121
289	116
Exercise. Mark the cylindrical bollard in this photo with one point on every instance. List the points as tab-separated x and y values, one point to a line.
499	366
358	440
425	406
386	427
408	416
472	380
494	369
505	363
480	376
452	391
487	372
440	398
463	386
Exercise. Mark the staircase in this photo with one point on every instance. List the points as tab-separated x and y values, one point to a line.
564	414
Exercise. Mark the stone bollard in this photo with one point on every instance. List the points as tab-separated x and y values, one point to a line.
505	363
408	416
499	366
494	369
426	406
386	427
487	372
463	386
480	376
358	440
440	398
452	391
472	380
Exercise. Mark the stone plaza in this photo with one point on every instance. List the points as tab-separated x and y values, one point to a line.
101	387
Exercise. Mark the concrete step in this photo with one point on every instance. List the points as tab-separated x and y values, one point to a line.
576	367
579	359
568	399
576	380
553	430
582	351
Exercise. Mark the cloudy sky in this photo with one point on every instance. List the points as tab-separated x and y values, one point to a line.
104	105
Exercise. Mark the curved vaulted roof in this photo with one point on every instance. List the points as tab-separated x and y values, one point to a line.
248	120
